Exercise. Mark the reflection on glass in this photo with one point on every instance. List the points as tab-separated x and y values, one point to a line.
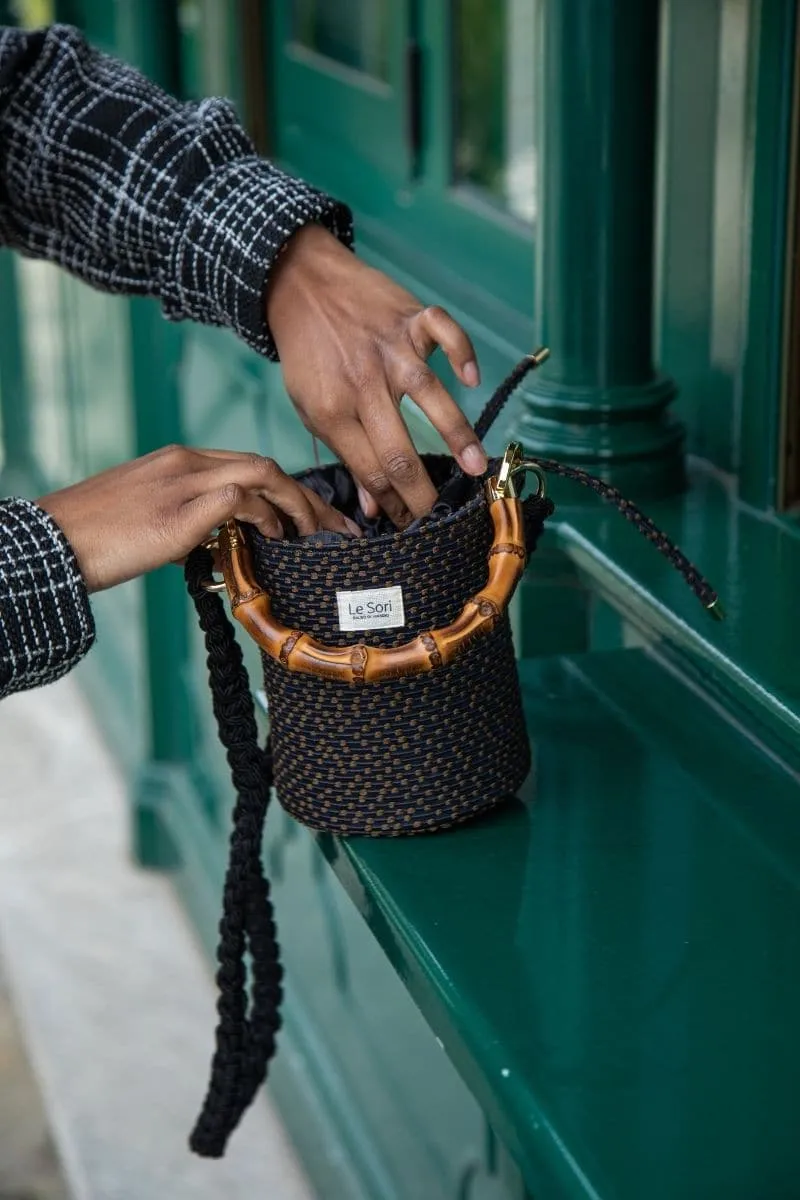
352	32
493	47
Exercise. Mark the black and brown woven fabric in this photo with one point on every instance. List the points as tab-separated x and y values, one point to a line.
412	754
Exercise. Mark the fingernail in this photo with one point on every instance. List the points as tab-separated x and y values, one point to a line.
471	374
369	505
473	459
354	529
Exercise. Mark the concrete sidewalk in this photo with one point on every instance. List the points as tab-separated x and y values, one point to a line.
114	999
29	1167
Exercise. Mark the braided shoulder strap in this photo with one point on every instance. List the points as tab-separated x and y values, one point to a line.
246	1032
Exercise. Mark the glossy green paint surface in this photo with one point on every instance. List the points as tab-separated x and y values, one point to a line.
727	75
773	83
611	961
600	401
752	660
321	100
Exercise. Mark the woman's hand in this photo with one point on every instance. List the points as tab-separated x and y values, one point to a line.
352	343
155	510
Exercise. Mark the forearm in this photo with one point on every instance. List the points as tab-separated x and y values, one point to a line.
46	623
135	192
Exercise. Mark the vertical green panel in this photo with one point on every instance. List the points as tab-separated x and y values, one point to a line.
14	393
775	54
96	18
479	45
41	314
494	85
353	33
599	400
326	109
209	50
689	157
727	77
146	35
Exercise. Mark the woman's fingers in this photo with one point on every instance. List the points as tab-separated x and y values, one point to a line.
261	474
131	519
231	501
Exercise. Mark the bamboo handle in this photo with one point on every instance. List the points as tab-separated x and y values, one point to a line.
371	664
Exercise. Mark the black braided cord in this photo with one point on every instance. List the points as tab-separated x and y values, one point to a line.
648	529
503	393
245	1040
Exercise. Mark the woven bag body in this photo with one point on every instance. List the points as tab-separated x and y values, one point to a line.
405	755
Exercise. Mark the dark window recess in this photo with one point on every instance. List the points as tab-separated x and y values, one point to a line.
414	104
254	56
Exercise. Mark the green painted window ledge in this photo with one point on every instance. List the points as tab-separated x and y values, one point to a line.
611	959
750	661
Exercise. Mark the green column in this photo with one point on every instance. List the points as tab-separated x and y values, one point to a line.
599	402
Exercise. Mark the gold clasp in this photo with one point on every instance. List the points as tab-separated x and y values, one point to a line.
211	585
230	532
503	486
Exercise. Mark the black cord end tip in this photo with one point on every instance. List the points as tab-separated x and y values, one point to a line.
715	610
205	1147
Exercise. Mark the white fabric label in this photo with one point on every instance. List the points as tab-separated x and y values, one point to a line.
374	608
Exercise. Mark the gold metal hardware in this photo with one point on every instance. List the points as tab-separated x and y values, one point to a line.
504	486
211	585
715	610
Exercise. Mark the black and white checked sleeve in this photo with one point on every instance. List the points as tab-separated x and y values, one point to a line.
135	193
138	193
46	623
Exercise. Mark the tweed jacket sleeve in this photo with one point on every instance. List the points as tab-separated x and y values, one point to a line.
46	623
135	193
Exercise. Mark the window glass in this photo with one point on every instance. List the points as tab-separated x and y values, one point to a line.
493	52
354	33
